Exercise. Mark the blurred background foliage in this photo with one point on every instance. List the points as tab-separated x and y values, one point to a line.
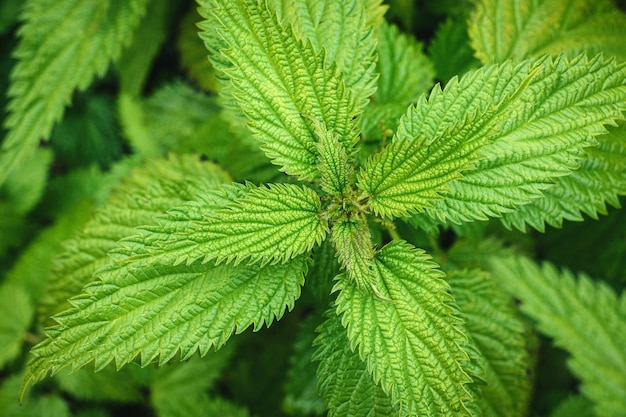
160	98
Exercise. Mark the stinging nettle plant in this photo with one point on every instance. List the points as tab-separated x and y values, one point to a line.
373	163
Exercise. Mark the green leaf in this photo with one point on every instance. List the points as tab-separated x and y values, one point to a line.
336	170
193	54
405	73
108	385
573	406
540	137
438	138
499	334
301	396
9	10
33	268
520	29
149	191
584	317
450	50
24	187
353	243
296	81
266	224
34	404
344	30
16	315
136	61
411	341
88	133
600	179
181	389
154	311
64	45
319	280
348	389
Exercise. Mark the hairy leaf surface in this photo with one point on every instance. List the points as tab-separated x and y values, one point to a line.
527	28
353	242
157	311
266	224
344	30
64	45
335	168
584	317
411	340
439	137
348	389
563	108
295	81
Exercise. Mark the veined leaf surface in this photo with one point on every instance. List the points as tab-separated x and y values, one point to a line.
410	340
353	242
156	311
277	80
439	137
540	135
519	29
64	45
266	224
345	32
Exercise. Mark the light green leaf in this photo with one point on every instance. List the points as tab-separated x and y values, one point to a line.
154	312
16	315
438	138
296	81
584	317
520	29
353	243
266	224
499	334
336	170
542	136
412	341
405	73
601	179
348	389
64	45
24	187
149	191
344	30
